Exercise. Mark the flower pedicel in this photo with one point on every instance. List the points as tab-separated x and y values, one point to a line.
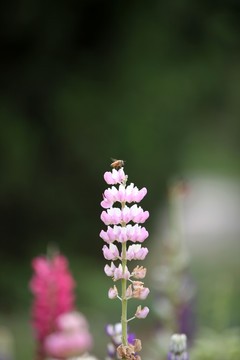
123	226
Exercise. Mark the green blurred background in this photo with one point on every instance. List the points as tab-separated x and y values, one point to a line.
154	83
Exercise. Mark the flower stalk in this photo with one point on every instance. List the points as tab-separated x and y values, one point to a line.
123	226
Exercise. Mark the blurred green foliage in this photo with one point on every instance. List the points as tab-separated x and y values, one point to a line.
220	346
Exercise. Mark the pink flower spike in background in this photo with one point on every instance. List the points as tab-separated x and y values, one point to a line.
52	286
60	332
121	230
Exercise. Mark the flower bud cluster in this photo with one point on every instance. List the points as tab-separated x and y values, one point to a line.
115	334
122	227
178	348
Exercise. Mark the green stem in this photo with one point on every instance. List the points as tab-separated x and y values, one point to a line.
124	300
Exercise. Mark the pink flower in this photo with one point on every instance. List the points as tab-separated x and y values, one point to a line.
122	230
52	286
71	322
136	252
122	194
63	345
114	177
109	270
140	292
113	292
135	214
142	313
111	216
110	253
139	272
106	203
118	273
111	234
129	291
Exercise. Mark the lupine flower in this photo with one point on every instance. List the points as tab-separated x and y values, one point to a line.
136	252
120	274
72	337
110	253
109	270
121	230
139	272
178	348
115	333
114	177
52	286
142	313
122	234
113	292
140	292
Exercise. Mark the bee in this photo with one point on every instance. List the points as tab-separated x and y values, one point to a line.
117	163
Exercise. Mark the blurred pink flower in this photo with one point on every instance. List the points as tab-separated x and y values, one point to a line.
63	345
52	286
71	322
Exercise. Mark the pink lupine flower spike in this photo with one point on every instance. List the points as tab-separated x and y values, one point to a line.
123	227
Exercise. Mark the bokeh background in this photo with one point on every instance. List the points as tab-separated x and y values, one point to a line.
154	83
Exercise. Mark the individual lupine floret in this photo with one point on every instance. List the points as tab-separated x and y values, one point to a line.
139	272
115	177
109	270
142	313
178	348
136	252
120	274
110	253
113	292
123	231
140	292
